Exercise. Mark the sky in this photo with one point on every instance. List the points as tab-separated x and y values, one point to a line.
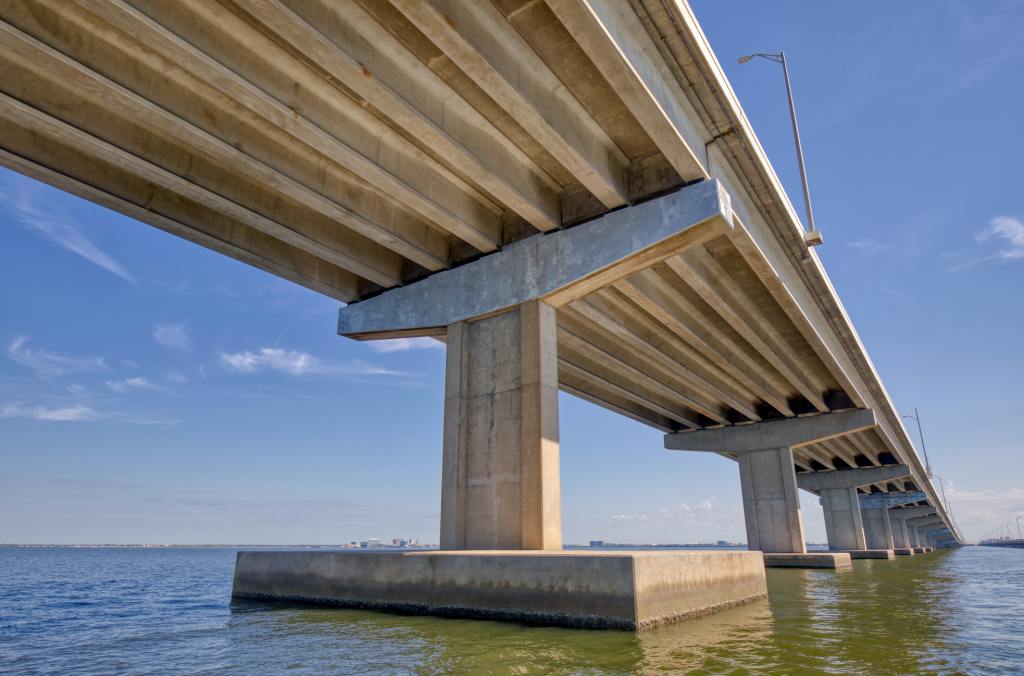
152	391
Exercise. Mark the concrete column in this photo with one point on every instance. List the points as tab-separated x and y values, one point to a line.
500	469
843	524
877	531
771	505
900	534
915	536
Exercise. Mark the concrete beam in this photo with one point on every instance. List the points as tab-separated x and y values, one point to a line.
843	523
911	512
851	478
923	522
558	268
500	471
786	433
877	529
887	500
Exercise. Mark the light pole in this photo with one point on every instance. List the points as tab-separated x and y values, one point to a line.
917	418
812	237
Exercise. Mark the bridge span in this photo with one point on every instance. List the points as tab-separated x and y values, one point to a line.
566	192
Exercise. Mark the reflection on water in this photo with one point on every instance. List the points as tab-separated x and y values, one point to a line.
144	610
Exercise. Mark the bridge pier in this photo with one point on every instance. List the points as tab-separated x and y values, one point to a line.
500	466
500	528
905	538
844	521
877	531
771	504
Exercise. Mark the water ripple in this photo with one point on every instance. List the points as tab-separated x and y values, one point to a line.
167	611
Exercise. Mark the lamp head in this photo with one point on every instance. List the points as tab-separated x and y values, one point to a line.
744	59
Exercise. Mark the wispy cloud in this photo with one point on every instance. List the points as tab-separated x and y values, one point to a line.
405	344
1006	232
681	512
45	413
78	413
49	363
979	512
1009	233
295	363
174	336
131	384
868	246
26	202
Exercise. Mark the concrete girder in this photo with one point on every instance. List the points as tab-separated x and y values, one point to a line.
559	268
381	70
649	291
615	40
786	433
714	286
475	36
851	478
416	179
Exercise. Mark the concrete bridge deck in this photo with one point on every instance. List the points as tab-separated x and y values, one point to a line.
572	181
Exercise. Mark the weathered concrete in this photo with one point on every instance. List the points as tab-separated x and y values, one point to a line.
877	530
559	267
613	590
838	490
836	560
904	551
872	554
851	478
843	524
902	534
920	550
500	468
788	433
888	500
771	505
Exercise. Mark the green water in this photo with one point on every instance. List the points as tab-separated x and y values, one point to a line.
146	611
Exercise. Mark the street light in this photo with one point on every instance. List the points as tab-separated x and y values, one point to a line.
917	418
812	237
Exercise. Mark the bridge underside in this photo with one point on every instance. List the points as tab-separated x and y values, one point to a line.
360	147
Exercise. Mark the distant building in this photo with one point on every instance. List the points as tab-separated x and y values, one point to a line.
723	543
597	543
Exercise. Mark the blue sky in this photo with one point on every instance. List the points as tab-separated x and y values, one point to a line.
153	391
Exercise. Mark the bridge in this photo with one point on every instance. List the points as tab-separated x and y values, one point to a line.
566	192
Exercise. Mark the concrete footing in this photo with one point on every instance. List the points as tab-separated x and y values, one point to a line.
872	553
920	550
600	590
904	551
836	560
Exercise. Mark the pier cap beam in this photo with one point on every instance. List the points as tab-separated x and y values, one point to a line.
771	504
922	523
851	478
557	267
787	433
888	500
911	512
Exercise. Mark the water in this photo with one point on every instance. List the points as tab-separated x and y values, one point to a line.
167	611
